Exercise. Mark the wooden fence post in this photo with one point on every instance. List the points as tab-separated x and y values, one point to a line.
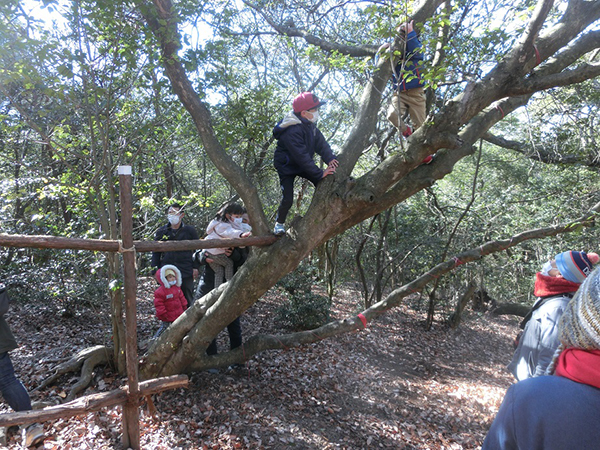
131	413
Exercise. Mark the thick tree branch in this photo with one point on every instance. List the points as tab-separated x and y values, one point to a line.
163	23
539	155
565	78
515	66
259	343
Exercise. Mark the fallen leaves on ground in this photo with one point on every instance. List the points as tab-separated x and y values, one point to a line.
391	385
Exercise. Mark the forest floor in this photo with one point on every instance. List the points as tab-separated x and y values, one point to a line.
392	385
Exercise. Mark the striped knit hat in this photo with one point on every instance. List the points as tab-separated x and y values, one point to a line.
575	266
579	326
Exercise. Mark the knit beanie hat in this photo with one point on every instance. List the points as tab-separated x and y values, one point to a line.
576	266
170	272
579	326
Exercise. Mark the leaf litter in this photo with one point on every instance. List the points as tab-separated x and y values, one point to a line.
391	385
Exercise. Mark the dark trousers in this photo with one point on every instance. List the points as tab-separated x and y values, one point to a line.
12	389
187	286
235	337
287	193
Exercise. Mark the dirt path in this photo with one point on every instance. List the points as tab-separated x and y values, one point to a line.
389	386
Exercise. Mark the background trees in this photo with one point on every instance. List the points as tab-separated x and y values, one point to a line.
513	92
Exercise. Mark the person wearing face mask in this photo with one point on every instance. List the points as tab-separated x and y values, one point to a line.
169	301
227	224
298	139
176	230
555	286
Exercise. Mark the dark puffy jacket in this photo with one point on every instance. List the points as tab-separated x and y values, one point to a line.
546	413
182	260
7	340
410	77
298	140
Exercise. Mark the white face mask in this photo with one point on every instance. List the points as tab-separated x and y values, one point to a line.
238	220
315	116
546	268
172	283
173	219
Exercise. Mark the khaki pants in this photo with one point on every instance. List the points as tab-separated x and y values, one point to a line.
414	101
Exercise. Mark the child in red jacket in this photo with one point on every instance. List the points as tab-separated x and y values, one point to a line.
169	300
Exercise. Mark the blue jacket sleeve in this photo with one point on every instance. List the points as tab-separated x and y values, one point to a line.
413	48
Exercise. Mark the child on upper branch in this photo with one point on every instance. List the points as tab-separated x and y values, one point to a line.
409	90
227	224
169	301
298	139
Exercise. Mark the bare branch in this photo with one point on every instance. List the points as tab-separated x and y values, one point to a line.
259	343
162	20
288	29
539	155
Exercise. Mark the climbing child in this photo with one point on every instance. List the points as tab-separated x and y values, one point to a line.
227	224
298	139
169	300
409	88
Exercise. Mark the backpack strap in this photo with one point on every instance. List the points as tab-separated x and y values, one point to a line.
541	301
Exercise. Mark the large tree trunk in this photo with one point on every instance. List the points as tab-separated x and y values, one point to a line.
340	201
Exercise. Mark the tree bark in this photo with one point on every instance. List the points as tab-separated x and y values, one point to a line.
456	316
341	201
515	309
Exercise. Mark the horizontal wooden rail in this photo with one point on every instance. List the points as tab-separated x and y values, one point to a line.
105	245
90	403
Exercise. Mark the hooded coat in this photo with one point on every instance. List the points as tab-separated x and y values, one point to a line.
169	301
298	140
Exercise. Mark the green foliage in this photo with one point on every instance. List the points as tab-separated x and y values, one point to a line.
304	309
81	98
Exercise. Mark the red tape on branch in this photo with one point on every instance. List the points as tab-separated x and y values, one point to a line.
538	58
363	319
457	262
499	108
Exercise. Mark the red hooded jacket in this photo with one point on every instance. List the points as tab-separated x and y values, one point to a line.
169	301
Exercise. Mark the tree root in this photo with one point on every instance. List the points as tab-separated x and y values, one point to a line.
86	359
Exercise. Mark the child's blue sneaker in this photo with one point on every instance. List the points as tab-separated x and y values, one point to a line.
279	229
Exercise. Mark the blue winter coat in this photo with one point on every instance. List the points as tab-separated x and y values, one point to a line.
412	65
298	140
547	413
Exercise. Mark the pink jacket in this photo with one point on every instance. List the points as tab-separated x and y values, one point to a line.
222	230
169	301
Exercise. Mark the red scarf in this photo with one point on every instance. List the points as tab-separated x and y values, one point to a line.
545	285
579	365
